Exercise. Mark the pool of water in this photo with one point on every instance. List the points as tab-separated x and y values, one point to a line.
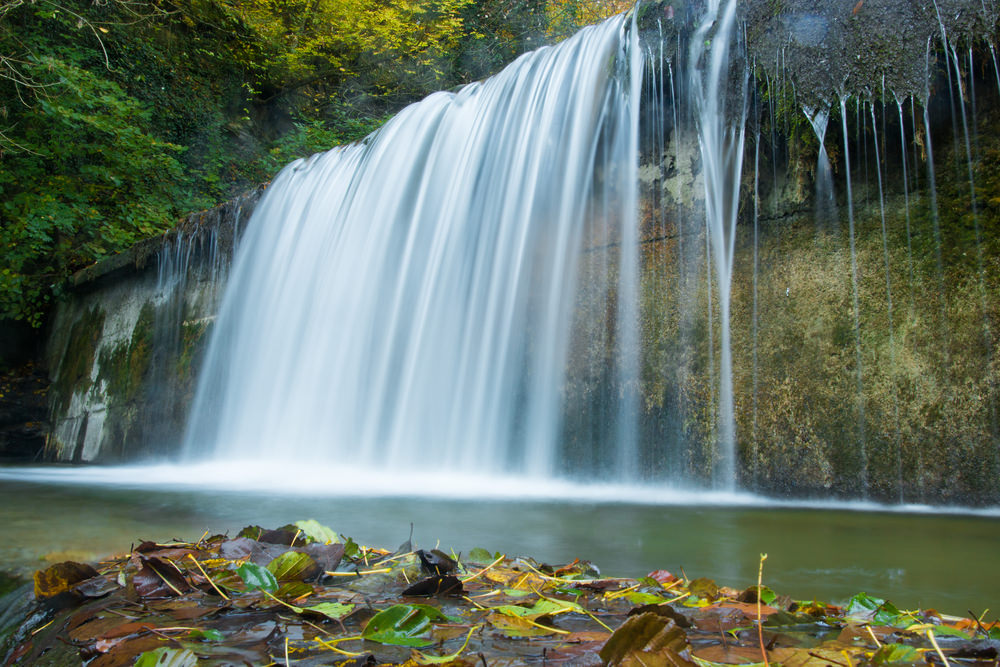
915	556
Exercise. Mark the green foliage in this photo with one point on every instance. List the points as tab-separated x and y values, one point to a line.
68	198
121	116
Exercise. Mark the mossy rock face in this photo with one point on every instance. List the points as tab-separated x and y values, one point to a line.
194	335
123	367
74	374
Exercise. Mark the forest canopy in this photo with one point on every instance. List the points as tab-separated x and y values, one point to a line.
119	116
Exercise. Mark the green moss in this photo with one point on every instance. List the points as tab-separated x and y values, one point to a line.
73	376
193	335
123	367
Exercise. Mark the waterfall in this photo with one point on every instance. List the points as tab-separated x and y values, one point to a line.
721	127
407	302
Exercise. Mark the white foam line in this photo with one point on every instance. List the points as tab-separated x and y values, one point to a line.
347	481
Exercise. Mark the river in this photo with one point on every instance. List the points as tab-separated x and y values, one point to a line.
915	556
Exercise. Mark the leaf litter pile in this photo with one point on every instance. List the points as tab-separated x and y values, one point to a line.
304	595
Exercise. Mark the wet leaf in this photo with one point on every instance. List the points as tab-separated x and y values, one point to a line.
403	625
863	607
257	577
167	657
335	611
889	654
293	566
729	654
662	576
638	597
436	562
317	531
209	635
663	610
158	579
61	578
647	635
704	588
436	586
480	555
517	626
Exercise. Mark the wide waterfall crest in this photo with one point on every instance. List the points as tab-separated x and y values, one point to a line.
407	301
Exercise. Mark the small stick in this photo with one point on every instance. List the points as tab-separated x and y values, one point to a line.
359	572
827	659
477	574
760	625
930	635
871	632
217	589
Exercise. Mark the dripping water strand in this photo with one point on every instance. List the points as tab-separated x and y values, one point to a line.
892	337
906	208
859	373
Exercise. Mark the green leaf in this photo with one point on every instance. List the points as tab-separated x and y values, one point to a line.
257	577
291	590
638	597
351	548
292	566
318	531
480	555
950	631
167	657
403	625
206	635
863	607
332	610
895	653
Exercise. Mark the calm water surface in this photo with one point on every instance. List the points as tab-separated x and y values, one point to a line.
945	561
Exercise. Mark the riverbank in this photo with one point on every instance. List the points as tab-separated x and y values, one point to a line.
306	595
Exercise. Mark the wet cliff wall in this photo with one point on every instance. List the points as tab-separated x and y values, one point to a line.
125	342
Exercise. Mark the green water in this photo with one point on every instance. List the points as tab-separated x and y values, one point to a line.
948	562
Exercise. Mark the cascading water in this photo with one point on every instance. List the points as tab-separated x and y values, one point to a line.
407	301
721	126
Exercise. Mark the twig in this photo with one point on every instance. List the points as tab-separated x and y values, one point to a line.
356	573
979	622
477	574
930	635
871	632
826	659
760	625
217	589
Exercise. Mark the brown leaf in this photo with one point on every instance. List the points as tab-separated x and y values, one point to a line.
61	578
647	638
662	576
729	654
158	579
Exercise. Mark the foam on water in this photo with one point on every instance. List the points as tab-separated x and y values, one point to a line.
340	481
